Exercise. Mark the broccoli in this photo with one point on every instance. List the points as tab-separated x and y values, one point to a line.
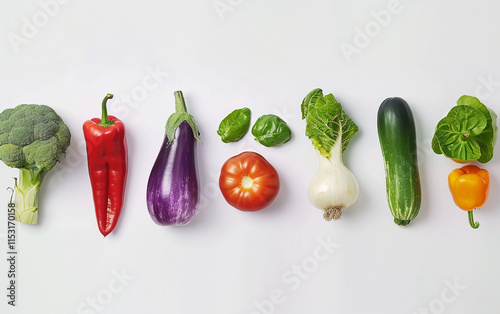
32	137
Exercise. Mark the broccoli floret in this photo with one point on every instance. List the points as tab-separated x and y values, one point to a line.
32	137
12	155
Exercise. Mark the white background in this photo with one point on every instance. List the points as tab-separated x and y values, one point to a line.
266	55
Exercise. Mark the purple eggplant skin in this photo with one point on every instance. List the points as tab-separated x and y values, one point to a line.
173	193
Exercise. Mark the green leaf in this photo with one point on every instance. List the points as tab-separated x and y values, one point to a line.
270	130
488	136
474	102
325	121
311	98
235	125
485	141
454	144
435	145
468	132
470	119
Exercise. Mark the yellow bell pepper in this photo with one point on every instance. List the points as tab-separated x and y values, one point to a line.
469	186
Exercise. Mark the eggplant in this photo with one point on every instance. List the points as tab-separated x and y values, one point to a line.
173	193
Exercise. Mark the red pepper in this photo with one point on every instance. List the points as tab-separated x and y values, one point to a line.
107	161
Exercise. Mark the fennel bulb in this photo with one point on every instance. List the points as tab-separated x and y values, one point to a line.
333	188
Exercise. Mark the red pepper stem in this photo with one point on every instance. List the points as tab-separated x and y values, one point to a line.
105	122
473	224
180	103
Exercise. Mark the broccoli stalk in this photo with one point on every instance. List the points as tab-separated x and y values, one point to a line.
32	137
26	199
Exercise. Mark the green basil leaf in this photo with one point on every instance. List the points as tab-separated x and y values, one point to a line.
270	130
235	125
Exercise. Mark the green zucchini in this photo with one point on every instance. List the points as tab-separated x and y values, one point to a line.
396	132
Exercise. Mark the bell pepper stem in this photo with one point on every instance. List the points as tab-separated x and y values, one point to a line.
105	122
473	224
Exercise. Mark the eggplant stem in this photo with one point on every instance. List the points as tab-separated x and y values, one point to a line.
473	224
180	103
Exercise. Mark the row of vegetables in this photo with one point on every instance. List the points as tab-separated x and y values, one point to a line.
33	138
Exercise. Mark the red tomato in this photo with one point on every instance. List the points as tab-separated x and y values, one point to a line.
249	182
